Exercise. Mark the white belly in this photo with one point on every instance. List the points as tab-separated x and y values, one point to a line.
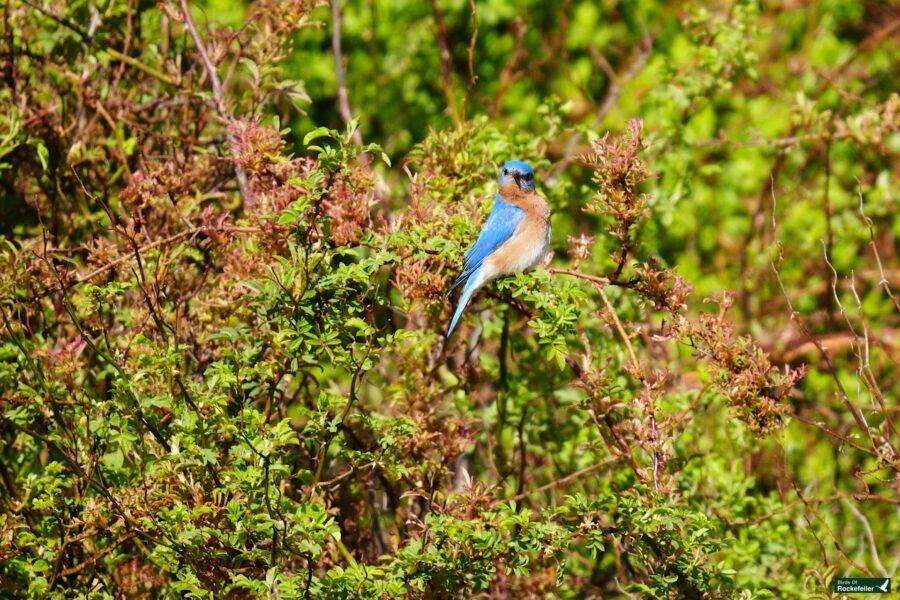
539	250
522	251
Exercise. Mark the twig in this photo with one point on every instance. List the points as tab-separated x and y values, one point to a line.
613	91
867	44
157	243
598	283
837	544
883	282
612	312
575	475
92	560
844	439
62	21
343	96
616	81
446	61
132	62
864	349
221	106
873	547
89	40
865	369
795	317
470	53
580	275
511	70
674	424
628	284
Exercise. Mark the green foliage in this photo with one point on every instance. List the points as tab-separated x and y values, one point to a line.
222	369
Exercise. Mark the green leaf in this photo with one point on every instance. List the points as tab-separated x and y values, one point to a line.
114	460
316	133
356	323
42	153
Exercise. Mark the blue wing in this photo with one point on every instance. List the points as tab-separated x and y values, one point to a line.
498	228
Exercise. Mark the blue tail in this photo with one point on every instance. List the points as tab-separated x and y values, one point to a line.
469	289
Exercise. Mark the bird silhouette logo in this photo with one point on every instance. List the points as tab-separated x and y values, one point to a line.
884	586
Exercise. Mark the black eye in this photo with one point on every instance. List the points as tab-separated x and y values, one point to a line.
530	176
505	172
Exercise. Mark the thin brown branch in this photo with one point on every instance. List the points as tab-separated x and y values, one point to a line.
598	283
870	538
867	44
883	281
343	96
795	317
571	476
617	81
580	275
630	283
92	560
635	365
79	279
161	242
470	54
221	105
511	70
446	61
844	439
679	419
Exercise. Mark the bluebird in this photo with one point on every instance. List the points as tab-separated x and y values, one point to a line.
514	238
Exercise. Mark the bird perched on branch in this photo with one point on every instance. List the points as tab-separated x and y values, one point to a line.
514	237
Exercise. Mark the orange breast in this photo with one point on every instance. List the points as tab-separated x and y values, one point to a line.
528	244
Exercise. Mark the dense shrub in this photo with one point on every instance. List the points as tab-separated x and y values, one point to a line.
222	368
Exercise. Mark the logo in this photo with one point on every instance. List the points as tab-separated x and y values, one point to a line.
862	585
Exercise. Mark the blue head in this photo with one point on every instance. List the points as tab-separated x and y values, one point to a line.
518	173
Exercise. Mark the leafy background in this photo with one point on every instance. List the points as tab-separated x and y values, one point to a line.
223	372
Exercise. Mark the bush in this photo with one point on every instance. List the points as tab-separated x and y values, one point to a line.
223	372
